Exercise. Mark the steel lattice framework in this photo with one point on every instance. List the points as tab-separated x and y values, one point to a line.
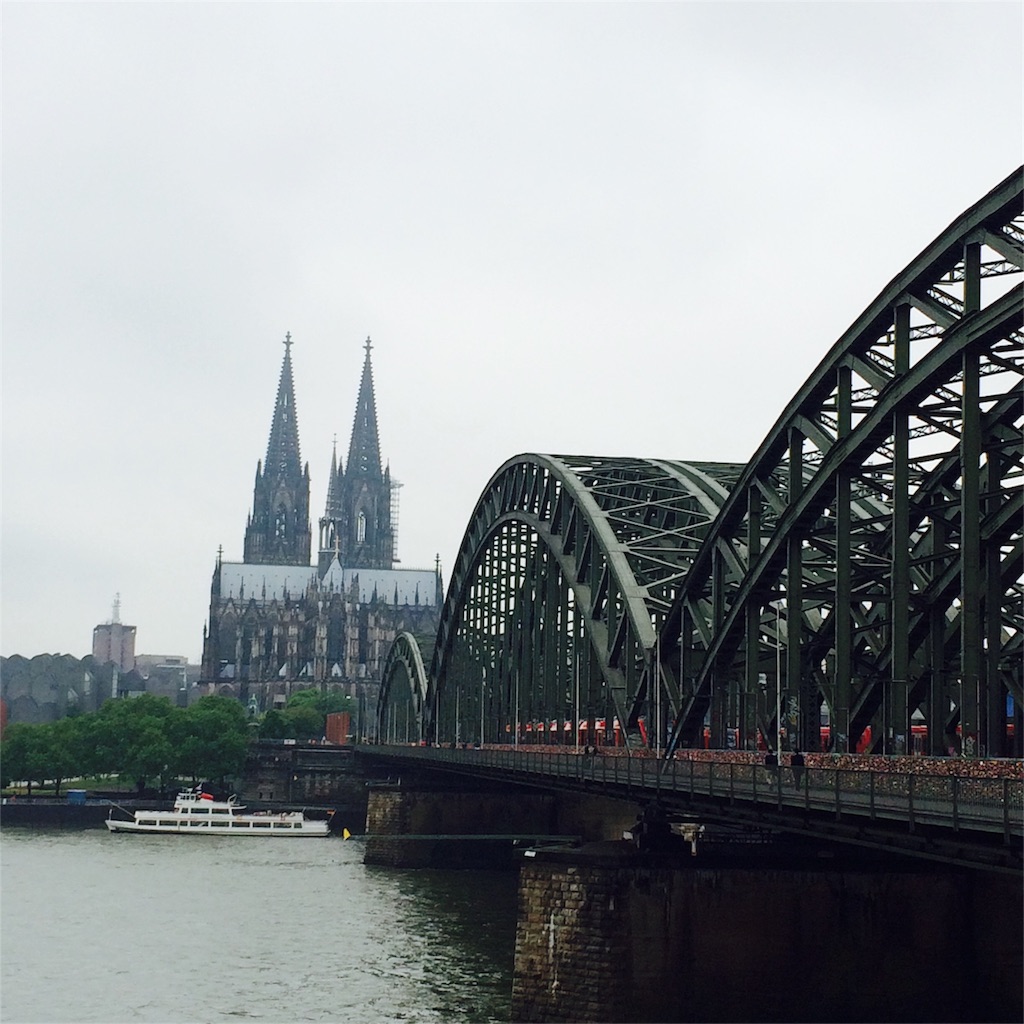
882	515
864	568
403	695
567	569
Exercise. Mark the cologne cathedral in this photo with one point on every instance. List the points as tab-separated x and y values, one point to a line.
279	623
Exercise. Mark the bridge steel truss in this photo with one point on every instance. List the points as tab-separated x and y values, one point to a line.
868	561
567	569
403	696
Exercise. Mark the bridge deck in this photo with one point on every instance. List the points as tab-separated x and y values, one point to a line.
830	802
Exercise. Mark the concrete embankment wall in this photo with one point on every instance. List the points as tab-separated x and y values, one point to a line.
57	814
614	939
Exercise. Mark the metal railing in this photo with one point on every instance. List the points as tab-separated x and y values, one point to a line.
955	802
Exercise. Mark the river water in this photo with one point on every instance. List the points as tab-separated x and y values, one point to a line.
165	929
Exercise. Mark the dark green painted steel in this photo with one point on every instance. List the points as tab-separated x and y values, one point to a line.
913	411
868	559
568	566
403	695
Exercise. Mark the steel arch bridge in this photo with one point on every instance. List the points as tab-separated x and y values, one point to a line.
863	569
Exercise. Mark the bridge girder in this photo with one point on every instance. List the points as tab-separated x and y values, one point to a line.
901	615
883	512
403	693
567	567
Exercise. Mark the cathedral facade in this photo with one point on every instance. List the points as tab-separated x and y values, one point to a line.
278	621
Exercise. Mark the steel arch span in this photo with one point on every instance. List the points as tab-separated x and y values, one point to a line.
403	694
567	569
866	568
863	569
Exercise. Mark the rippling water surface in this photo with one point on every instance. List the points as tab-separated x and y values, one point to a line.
98	927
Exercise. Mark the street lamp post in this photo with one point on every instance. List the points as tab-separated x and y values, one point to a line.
657	701
515	738
778	678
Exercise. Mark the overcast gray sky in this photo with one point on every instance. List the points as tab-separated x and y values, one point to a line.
616	229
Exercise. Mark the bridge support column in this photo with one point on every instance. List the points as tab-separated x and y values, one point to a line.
605	936
410	826
421	823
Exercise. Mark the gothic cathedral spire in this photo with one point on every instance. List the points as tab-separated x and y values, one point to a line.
357	522
278	528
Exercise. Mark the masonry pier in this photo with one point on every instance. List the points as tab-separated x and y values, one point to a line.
716	921
431	824
606	933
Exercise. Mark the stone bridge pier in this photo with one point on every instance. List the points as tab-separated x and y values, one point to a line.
765	930
607	934
421	823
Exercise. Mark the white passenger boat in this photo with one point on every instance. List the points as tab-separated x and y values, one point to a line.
198	814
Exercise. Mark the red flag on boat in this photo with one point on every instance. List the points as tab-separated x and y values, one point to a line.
207	796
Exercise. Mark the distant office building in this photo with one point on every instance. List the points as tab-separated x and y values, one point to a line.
278	622
114	641
169	675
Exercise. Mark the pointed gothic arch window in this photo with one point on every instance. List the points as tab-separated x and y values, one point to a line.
281	523
361	527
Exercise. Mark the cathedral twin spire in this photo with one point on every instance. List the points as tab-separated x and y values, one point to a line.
357	522
283	445
278	528
364	447
356	526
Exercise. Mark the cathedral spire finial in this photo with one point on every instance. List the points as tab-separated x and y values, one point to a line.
368	345
288	341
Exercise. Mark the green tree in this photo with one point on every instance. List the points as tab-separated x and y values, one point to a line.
22	755
333	702
307	710
13	755
274	726
86	740
212	738
60	751
151	755
304	698
305	722
132	738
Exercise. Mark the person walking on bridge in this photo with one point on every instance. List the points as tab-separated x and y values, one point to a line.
796	762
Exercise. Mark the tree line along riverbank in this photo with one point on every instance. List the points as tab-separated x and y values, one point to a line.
148	742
